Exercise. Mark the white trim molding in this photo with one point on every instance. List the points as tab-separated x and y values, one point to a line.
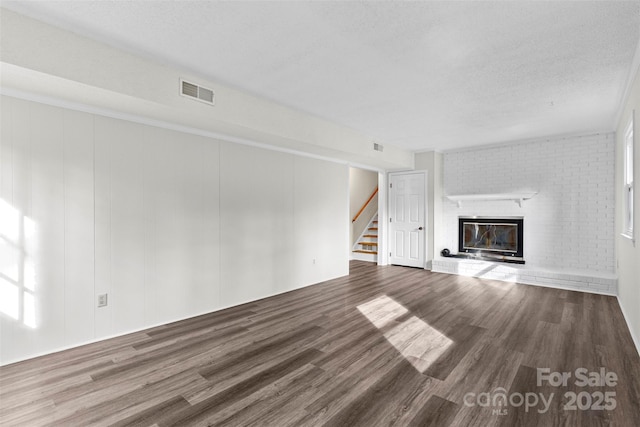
634	334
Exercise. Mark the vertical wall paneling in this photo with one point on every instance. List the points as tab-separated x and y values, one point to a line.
9	293
159	214
47	213
5	193
181	210
205	295
6	146
187	203
102	232
256	224
6	287
169	225
78	226
25	228
127	226
321	246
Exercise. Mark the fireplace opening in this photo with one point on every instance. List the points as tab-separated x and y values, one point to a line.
498	238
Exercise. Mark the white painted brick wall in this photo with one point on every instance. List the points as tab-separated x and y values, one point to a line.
604	283
569	224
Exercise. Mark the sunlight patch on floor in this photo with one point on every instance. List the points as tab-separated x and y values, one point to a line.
382	310
420	344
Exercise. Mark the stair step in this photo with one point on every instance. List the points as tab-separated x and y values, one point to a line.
360	251
368	243
371	235
373	228
375	222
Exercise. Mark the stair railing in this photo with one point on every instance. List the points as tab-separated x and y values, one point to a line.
365	205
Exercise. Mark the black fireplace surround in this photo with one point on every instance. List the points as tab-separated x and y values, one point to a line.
498	238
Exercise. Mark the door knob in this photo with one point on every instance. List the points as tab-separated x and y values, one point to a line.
419	228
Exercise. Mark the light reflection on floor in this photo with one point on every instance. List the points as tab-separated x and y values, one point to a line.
419	343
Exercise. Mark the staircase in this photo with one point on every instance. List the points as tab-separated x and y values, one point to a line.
366	247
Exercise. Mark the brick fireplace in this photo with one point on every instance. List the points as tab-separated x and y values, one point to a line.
569	236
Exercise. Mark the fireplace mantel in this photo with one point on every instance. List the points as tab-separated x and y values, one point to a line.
516	197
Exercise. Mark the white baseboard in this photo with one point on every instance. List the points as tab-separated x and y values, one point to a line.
634	334
155	325
355	256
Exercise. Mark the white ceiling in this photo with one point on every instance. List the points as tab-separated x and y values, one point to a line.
418	75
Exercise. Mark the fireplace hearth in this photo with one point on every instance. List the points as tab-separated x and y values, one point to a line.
492	238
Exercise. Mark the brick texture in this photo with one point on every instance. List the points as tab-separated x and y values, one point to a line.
569	224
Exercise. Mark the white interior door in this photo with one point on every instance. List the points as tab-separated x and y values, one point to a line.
407	219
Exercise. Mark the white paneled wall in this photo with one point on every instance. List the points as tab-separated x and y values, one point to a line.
256	191
156	225
569	224
168	224
127	225
318	243
77	186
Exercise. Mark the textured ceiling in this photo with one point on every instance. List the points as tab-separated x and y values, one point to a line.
418	75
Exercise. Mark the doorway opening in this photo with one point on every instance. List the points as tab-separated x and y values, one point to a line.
364	196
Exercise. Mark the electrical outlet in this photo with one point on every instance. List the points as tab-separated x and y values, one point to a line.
102	300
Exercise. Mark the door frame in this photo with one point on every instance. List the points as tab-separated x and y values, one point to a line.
387	209
383	209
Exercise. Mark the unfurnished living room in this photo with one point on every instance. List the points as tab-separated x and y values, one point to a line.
309	213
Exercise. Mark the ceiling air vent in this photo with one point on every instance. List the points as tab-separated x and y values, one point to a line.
197	92
377	147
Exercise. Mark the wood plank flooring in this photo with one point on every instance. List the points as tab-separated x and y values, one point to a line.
383	346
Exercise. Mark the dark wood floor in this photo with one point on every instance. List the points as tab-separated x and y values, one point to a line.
384	346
